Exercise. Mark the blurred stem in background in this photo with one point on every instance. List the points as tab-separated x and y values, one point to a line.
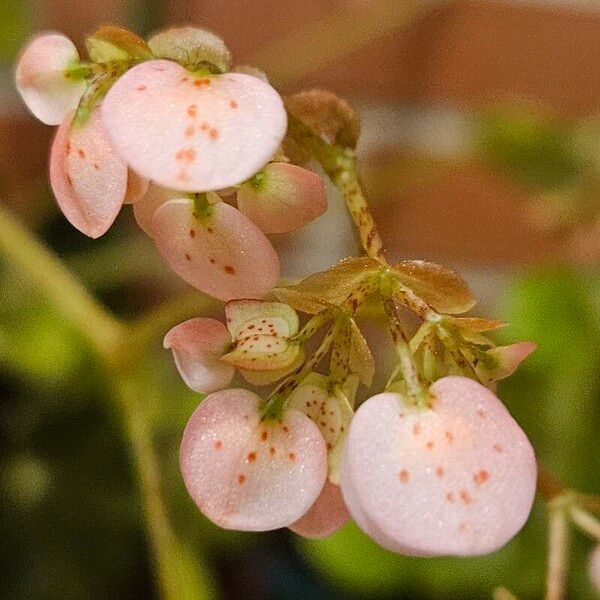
120	347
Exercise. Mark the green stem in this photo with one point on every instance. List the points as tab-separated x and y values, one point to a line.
340	166
35	262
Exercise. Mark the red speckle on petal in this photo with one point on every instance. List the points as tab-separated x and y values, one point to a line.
462	527
192	110
186	155
264	435
68	148
416	429
285	428
213	134
204	126
272	451
465	497
241	479
96	166
188	257
404	476
185	79
233	104
292	456
81	153
429	445
497	448
450	497
140	88
481	477
189	132
481	414
182	176
192	233
229	270
212	260
440	472
209	229
201	83
449	436
218	444
251	457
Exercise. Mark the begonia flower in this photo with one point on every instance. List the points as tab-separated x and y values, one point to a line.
255	341
193	132
249	472
458	478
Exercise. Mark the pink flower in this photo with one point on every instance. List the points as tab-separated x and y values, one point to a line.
249	472
458	478
193	132
256	340
44	81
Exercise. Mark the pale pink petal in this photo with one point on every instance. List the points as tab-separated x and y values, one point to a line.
88	178
193	133
456	479
137	187
42	80
224	255
249	473
282	198
325	516
594	567
251	317
197	346
145	207
505	360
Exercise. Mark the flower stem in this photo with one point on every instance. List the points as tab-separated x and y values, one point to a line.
558	543
35	262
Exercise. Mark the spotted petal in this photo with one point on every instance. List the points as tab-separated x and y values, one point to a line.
249	317
594	567
193	133
247	473
42	78
282	198
224	255
88	178
197	346
325	516
456	479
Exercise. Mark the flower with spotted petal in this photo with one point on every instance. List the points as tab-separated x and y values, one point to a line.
249	472
457	478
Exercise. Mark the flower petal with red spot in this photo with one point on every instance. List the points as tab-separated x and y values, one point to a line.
42	79
88	178
325	516
224	255
193	133
197	346
248	473
249	317
282	198
456	479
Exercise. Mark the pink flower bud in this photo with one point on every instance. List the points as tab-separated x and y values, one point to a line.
43	81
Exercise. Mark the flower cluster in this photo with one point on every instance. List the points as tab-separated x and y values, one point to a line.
432	465
168	126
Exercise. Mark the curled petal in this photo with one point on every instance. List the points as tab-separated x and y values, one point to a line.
594	567
137	187
88	178
43	81
249	473
455	479
264	353
251	317
504	361
325	516
191	46
193	133
197	346
109	43
224	255
282	198
261	378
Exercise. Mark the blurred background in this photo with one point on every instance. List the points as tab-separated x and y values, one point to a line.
480	149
